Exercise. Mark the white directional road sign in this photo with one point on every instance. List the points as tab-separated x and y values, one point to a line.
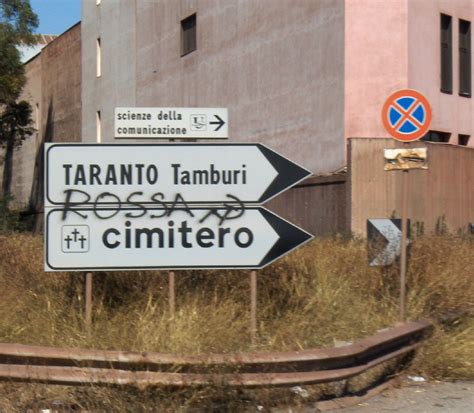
160	238
157	174
384	241
171	123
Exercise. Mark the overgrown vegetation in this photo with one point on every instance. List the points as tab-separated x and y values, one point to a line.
17	22
320	293
10	220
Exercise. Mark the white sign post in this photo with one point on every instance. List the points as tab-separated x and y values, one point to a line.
171	123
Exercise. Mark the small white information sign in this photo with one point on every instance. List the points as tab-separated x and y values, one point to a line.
171	123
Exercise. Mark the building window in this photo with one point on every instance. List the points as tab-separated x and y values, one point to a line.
98	127
436	136
465	58
463	140
99	58
446	54
37	117
188	35
37	124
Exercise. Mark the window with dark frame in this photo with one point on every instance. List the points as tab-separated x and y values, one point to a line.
188	35
98	126
463	140
436	136
464	58
446	54
98	58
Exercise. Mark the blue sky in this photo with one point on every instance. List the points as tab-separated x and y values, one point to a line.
56	16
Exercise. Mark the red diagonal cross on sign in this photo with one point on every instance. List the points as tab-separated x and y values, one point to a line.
406	114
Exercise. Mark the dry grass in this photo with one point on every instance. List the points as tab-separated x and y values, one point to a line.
320	293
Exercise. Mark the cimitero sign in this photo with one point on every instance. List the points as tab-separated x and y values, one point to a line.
166	238
171	123
165	206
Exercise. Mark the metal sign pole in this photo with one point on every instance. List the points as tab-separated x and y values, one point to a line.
253	306
403	244
88	317
172	293
172	287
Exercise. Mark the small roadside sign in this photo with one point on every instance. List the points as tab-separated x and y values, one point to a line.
384	241
406	115
171	123
404	159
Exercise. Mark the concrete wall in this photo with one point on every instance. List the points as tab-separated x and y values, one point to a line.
24	158
443	194
319	205
114	23
61	88
53	91
278	65
451	113
376	61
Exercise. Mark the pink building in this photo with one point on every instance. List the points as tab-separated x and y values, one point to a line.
415	44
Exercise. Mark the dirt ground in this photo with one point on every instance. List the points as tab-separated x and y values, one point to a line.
426	397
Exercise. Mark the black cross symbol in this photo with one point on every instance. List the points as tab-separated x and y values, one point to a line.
75	233
68	240
82	239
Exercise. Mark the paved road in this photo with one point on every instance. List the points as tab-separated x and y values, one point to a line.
411	397
431	397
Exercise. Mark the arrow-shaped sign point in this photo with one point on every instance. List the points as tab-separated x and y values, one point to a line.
288	173
219	122
290	237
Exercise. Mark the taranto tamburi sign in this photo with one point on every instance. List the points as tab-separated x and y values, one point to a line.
171	123
166	173
165	206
